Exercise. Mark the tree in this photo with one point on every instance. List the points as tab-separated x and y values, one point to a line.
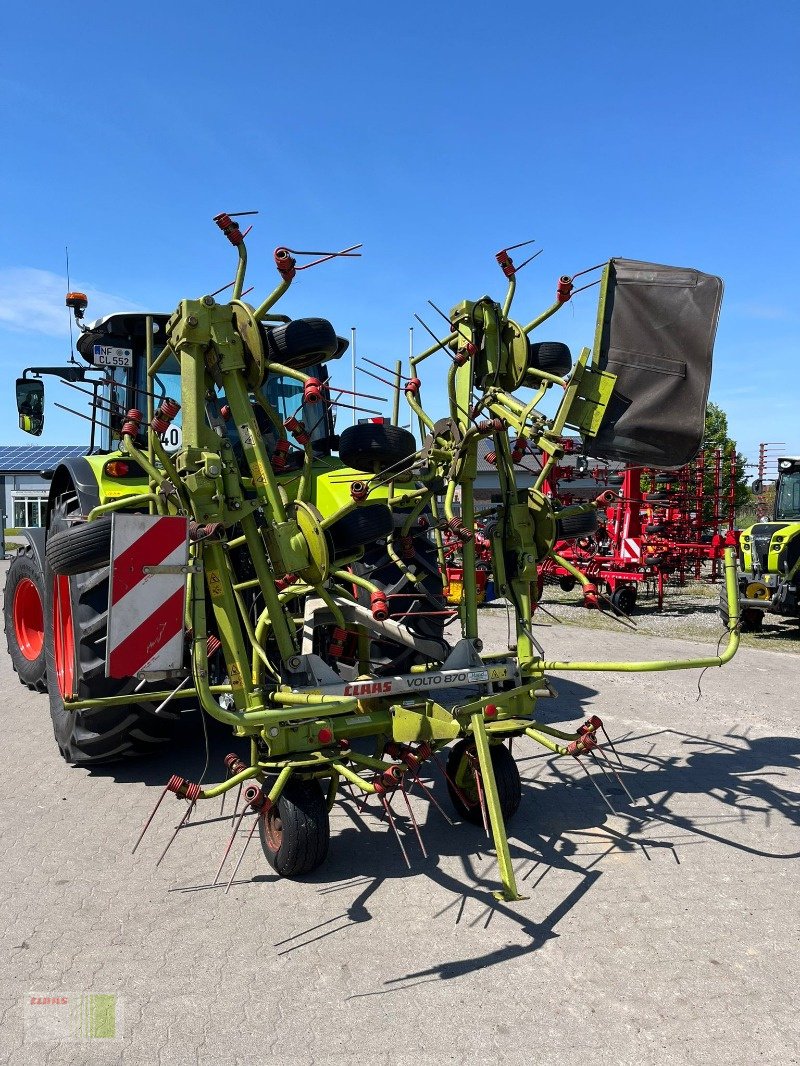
716	436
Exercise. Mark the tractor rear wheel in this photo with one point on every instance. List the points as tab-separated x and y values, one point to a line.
463	787
295	832
23	612
75	624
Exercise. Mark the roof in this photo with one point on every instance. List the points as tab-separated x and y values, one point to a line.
36	457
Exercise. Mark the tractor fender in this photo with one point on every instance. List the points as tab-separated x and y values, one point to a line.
35	537
75	473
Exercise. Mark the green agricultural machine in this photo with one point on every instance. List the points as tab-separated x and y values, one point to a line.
222	546
769	555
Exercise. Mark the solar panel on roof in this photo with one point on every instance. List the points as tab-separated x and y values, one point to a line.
36	457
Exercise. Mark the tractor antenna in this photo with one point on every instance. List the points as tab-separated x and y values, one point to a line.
69	309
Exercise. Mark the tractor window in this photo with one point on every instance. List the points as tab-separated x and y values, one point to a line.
167	384
787	502
286	396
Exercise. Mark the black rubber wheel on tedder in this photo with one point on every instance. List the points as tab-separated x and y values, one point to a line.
372	446
463	789
23	614
571	526
418	605
80	548
295	832
76	619
364	526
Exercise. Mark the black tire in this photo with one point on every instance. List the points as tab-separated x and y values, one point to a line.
103	734
304	342
567	584
664	479
752	620
372	447
655	527
461	782
80	548
295	833
388	657
23	613
551	356
624	599
365	525
570	526
615	479
660	495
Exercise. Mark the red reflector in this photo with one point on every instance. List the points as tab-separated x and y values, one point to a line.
117	468
325	736
490	711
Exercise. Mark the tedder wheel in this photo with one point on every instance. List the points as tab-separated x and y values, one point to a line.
624	599
655	527
422	614
615	479
551	356
373	446
23	612
566	584
570	526
80	548
303	342
295	833
460	774
76	618
363	526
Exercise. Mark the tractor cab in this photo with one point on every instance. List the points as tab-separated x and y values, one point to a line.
770	553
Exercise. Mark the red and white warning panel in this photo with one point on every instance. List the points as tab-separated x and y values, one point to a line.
147	594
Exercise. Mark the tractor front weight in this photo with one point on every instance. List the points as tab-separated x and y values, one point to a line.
337	674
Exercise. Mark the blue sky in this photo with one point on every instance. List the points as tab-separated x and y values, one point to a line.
436	134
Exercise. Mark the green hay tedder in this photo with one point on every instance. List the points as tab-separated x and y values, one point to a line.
221	545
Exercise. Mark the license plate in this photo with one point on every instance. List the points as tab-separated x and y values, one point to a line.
105	355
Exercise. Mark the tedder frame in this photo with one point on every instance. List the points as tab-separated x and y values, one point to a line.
307	722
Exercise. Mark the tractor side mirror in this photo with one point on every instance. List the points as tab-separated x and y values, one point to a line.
30	405
758	486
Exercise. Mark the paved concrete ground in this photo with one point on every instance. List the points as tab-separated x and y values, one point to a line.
664	934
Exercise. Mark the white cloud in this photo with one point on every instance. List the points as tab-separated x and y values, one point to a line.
32	301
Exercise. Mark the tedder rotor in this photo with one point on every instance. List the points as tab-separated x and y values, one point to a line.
296	594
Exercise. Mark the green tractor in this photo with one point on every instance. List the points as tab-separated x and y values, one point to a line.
221	545
769	578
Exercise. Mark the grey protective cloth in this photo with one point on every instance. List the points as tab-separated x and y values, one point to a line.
655	331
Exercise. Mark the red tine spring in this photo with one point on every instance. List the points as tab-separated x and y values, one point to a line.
491	425
278	459
312	391
285	263
458	529
230	227
130	427
413	386
491	457
379	605
213	644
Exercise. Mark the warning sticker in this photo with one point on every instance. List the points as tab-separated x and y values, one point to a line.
235	675
246	435
259	477
498	673
214	584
